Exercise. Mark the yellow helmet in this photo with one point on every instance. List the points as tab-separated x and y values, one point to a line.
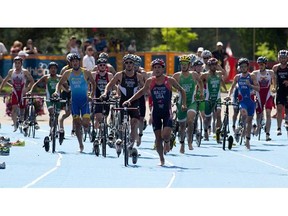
184	58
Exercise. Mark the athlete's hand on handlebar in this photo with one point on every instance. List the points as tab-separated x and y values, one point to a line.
126	103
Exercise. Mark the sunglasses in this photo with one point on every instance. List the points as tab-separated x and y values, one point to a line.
184	63
128	62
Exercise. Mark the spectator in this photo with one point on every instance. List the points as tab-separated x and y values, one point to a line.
16	48
87	43
132	47
199	53
30	48
88	59
72	46
220	54
3	50
100	43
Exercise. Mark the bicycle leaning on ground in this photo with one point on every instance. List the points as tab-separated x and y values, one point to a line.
54	123
224	130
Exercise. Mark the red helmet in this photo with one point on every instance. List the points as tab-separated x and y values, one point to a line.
158	61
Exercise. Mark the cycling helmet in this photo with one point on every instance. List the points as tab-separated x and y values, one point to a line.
104	55
101	61
212	61
282	53
158	61
18	58
52	64
75	56
262	59
68	57
129	56
198	62
192	58
138	60
243	61
184	58
206	53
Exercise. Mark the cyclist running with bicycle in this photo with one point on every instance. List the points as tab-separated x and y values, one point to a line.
79	80
212	79
188	80
66	94
102	78
247	84
129	81
160	87
265	78
50	80
281	76
18	76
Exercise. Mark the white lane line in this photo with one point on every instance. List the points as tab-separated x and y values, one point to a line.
261	161
58	164
167	162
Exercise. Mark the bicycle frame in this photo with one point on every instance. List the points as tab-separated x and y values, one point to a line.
103	127
125	129
30	115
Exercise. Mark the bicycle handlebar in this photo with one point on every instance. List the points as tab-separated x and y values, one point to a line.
56	99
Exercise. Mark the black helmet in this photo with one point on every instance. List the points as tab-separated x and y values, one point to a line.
18	58
212	61
243	61
198	62
262	59
52	64
101	60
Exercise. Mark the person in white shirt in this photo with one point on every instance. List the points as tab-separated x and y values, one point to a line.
89	60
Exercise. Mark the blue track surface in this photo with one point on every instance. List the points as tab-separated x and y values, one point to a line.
206	167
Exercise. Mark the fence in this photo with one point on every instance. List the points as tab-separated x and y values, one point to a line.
38	64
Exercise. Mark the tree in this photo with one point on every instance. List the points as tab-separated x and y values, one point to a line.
175	39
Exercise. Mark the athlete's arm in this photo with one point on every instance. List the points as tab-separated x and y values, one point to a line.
6	79
177	86
255	86
92	82
62	80
140	92
30	79
112	82
42	79
233	85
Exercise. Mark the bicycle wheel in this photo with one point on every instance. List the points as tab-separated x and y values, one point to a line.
53	136
32	119
103	140
126	156
224	131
